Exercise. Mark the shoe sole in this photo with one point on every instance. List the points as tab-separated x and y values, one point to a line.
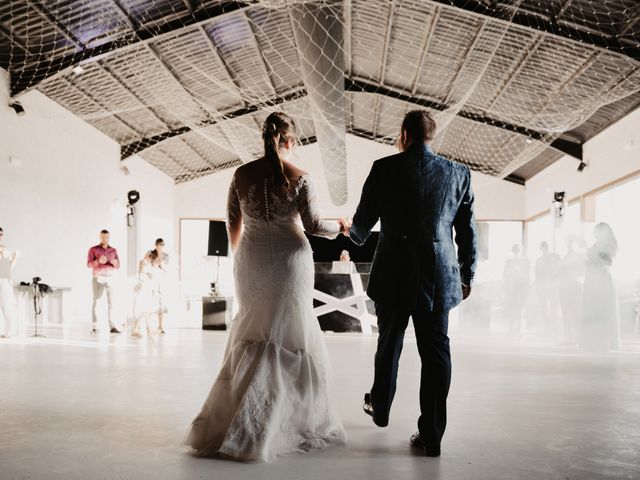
367	401
424	449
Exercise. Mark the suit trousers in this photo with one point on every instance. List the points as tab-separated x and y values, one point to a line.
433	346
102	286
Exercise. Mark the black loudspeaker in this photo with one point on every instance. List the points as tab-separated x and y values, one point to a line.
218	239
216	312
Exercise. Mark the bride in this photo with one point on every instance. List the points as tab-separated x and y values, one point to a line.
272	395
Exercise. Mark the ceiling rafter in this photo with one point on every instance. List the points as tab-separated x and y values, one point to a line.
474	42
426	42
201	154
32	75
88	95
52	20
387	41
528	52
209	171
359	85
590	60
204	158
555	16
191	6
142	144
634	16
214	50
13	39
115	78
254	40
122	12
169	71
175	160
536	23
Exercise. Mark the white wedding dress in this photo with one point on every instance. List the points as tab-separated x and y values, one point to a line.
272	395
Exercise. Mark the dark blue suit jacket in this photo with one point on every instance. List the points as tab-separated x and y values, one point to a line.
420	198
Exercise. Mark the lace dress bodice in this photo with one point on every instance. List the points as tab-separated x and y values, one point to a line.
259	200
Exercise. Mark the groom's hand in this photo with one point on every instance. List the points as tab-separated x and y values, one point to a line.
466	291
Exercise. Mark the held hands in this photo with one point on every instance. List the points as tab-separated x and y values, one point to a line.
345	225
102	260
466	291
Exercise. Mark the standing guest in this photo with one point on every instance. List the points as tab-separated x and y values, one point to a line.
103	260
570	279
600	329
147	300
547	267
7	297
161	265
515	281
344	256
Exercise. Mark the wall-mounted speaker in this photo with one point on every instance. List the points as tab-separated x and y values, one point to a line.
218	239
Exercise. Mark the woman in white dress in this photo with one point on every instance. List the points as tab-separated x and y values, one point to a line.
272	395
600	329
7	296
147	301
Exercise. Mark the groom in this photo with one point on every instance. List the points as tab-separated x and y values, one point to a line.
419	198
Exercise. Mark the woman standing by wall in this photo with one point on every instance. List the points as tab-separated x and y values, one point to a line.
600	330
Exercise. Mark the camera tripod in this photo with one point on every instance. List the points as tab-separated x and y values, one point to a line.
37	308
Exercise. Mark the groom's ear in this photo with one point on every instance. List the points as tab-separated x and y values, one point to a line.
402	140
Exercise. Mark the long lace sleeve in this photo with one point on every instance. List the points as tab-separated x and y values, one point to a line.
308	208
234	215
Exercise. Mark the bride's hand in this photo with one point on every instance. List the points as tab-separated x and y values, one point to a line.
345	225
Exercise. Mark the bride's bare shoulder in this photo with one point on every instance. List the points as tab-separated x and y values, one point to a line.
293	171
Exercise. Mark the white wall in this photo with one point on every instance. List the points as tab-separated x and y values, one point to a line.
206	197
67	186
611	155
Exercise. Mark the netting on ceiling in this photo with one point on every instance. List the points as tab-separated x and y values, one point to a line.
187	84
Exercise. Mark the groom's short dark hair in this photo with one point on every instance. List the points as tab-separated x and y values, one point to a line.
419	126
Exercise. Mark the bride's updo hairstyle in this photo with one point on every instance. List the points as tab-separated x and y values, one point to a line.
277	130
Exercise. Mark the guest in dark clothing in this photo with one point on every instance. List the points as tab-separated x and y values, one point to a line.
515	283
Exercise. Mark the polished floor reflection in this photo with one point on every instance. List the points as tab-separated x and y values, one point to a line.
113	407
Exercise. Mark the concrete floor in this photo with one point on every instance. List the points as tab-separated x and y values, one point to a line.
112	408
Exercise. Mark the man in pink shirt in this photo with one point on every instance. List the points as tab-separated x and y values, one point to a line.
103	260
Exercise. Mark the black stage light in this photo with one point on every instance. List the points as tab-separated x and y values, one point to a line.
558	197
133	197
18	108
582	166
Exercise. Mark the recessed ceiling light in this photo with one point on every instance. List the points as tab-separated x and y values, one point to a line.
78	70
